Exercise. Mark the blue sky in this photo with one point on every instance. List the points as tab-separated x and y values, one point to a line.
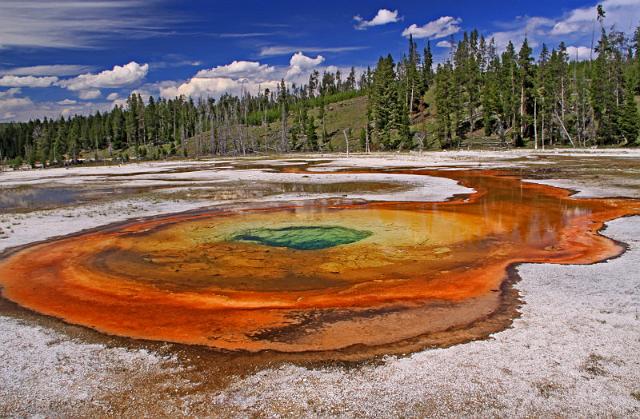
77	56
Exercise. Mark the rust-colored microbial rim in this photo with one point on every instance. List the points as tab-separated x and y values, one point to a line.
327	276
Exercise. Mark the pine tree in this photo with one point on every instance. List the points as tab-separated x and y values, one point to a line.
322	115
635	77
525	76
384	98
509	92
412	75
630	119
443	99
472	67
151	121
131	121
542	87
117	127
491	102
363	138
59	143
603	99
427	68
284	113
73	137
141	134
310	131
403	126
350	84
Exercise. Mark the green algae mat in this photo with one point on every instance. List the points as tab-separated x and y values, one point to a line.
303	237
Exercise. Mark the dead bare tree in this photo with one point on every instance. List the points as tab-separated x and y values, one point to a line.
346	139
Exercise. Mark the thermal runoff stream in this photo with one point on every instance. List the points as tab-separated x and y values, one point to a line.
316	275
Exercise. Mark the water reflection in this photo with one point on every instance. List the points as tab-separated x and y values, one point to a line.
36	198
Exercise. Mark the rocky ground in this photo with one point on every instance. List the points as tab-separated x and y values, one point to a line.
572	352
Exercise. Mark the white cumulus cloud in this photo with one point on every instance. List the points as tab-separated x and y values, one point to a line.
242	76
579	53
237	70
10	105
112	96
300	64
444	44
89	94
533	28
13	107
119	76
576	26
383	17
439	28
302	61
26	81
213	87
14	103
619	13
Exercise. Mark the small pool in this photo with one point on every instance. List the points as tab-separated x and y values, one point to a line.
303	237
37	198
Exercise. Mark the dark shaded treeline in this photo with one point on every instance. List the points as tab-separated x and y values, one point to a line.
163	126
553	100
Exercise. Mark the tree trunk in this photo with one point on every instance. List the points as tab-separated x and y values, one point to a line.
411	101
535	123
283	135
367	140
346	139
565	130
522	110
212	137
542	129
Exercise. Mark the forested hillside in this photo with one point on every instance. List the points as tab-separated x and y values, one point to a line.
478	95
